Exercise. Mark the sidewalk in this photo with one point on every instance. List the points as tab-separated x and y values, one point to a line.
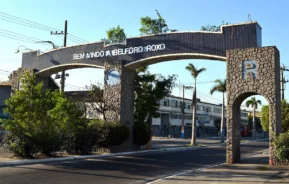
164	142
253	170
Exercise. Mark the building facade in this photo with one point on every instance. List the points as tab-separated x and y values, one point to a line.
170	120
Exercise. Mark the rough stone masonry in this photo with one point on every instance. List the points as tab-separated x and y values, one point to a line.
260	76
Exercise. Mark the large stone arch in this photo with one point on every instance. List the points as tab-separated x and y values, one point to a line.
250	72
169	57
151	48
59	68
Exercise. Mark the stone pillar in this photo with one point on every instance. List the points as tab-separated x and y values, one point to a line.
120	94
252	71
17	74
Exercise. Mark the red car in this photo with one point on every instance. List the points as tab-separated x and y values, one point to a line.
245	131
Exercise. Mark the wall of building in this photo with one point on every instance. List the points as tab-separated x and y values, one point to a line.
5	93
207	113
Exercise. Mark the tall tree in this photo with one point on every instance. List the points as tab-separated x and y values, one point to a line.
253	103
154	26
220	86
149	90
194	72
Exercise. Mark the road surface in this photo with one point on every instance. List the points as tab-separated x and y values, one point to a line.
140	168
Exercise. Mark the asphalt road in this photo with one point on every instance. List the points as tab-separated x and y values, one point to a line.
140	168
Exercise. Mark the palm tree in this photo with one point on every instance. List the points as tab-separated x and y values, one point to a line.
220	86
253	103
194	72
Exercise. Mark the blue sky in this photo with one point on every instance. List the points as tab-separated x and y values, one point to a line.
90	19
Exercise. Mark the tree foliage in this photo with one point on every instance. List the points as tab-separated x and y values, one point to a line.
115	35
284	117
220	86
194	71
282	147
265	118
253	103
154	26
39	120
149	90
213	28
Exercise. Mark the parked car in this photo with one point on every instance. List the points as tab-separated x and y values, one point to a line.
245	131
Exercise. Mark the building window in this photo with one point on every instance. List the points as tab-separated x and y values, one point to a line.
211	118
189	106
208	109
188	117
165	102
174	116
217	110
244	114
174	103
199	107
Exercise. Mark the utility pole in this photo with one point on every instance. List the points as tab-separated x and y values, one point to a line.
64	45
283	81
183	115
183	110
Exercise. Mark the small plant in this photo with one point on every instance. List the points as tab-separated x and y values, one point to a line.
281	144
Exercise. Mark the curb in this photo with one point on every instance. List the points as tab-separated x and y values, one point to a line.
46	160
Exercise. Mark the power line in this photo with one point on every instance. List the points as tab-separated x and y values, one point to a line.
31	24
74	40
5	71
76	37
10	33
28	21
16	38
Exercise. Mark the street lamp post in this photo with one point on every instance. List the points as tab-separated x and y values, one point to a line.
18	49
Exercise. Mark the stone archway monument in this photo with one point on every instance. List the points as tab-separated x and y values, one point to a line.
252	71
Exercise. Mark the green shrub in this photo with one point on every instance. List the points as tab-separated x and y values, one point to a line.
141	133
19	145
81	141
40	120
281	144
110	133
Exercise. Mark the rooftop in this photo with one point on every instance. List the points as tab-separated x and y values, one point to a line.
5	83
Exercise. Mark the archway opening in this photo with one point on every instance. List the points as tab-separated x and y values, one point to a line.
209	106
250	140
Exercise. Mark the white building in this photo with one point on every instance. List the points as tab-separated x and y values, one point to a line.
171	117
